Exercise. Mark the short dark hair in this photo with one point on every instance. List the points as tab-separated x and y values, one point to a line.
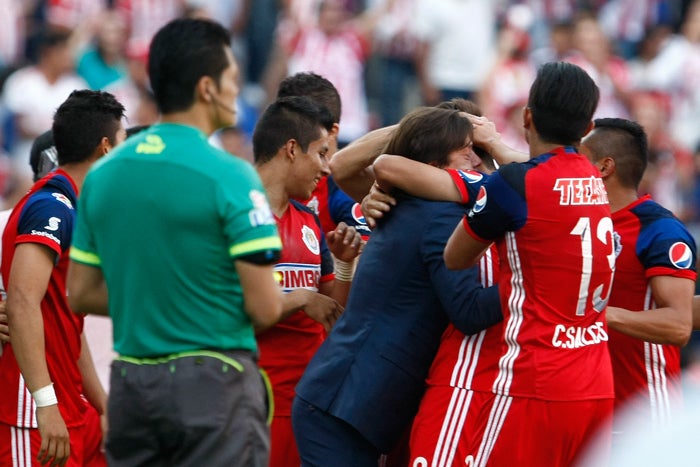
562	100
314	86
81	122
626	142
181	53
293	117
429	135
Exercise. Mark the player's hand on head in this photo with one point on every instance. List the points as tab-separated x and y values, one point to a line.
375	204
323	309
344	242
55	442
485	132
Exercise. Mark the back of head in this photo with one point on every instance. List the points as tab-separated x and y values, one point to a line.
181	53
463	105
625	142
295	117
81	122
562	100
42	156
315	87
429	135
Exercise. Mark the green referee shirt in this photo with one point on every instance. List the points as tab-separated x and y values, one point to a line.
164	216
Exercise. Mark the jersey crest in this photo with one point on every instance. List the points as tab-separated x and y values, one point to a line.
310	239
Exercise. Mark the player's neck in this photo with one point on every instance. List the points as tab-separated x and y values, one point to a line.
539	147
620	197
196	116
274	187
77	172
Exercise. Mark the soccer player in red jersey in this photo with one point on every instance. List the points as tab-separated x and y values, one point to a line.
650	306
550	219
290	145
551	222
328	201
46	368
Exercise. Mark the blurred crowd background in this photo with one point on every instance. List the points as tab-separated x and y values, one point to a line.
384	56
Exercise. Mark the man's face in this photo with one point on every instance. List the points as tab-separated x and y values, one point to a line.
226	94
463	158
310	167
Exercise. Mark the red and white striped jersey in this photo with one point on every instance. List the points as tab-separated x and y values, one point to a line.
652	243
471	362
551	221
306	262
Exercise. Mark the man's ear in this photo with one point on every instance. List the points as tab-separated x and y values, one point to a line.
291	148
105	146
334	131
607	167
589	128
203	89
527	118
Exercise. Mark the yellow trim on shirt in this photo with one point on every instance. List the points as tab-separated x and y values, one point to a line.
254	246
84	257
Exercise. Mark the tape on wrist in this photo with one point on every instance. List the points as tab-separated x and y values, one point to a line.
344	271
45	396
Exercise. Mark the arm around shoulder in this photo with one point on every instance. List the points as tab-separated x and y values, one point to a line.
352	166
415	178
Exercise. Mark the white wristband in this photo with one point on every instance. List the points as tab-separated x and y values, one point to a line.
45	396
344	271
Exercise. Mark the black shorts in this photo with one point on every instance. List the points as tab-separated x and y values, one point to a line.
197	408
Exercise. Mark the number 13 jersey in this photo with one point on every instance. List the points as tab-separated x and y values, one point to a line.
551	221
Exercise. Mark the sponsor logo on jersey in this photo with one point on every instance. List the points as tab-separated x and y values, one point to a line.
261	214
358	215
681	255
471	176
294	276
480	202
581	191
48	235
313	204
63	199
310	240
575	337
53	224
153	144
